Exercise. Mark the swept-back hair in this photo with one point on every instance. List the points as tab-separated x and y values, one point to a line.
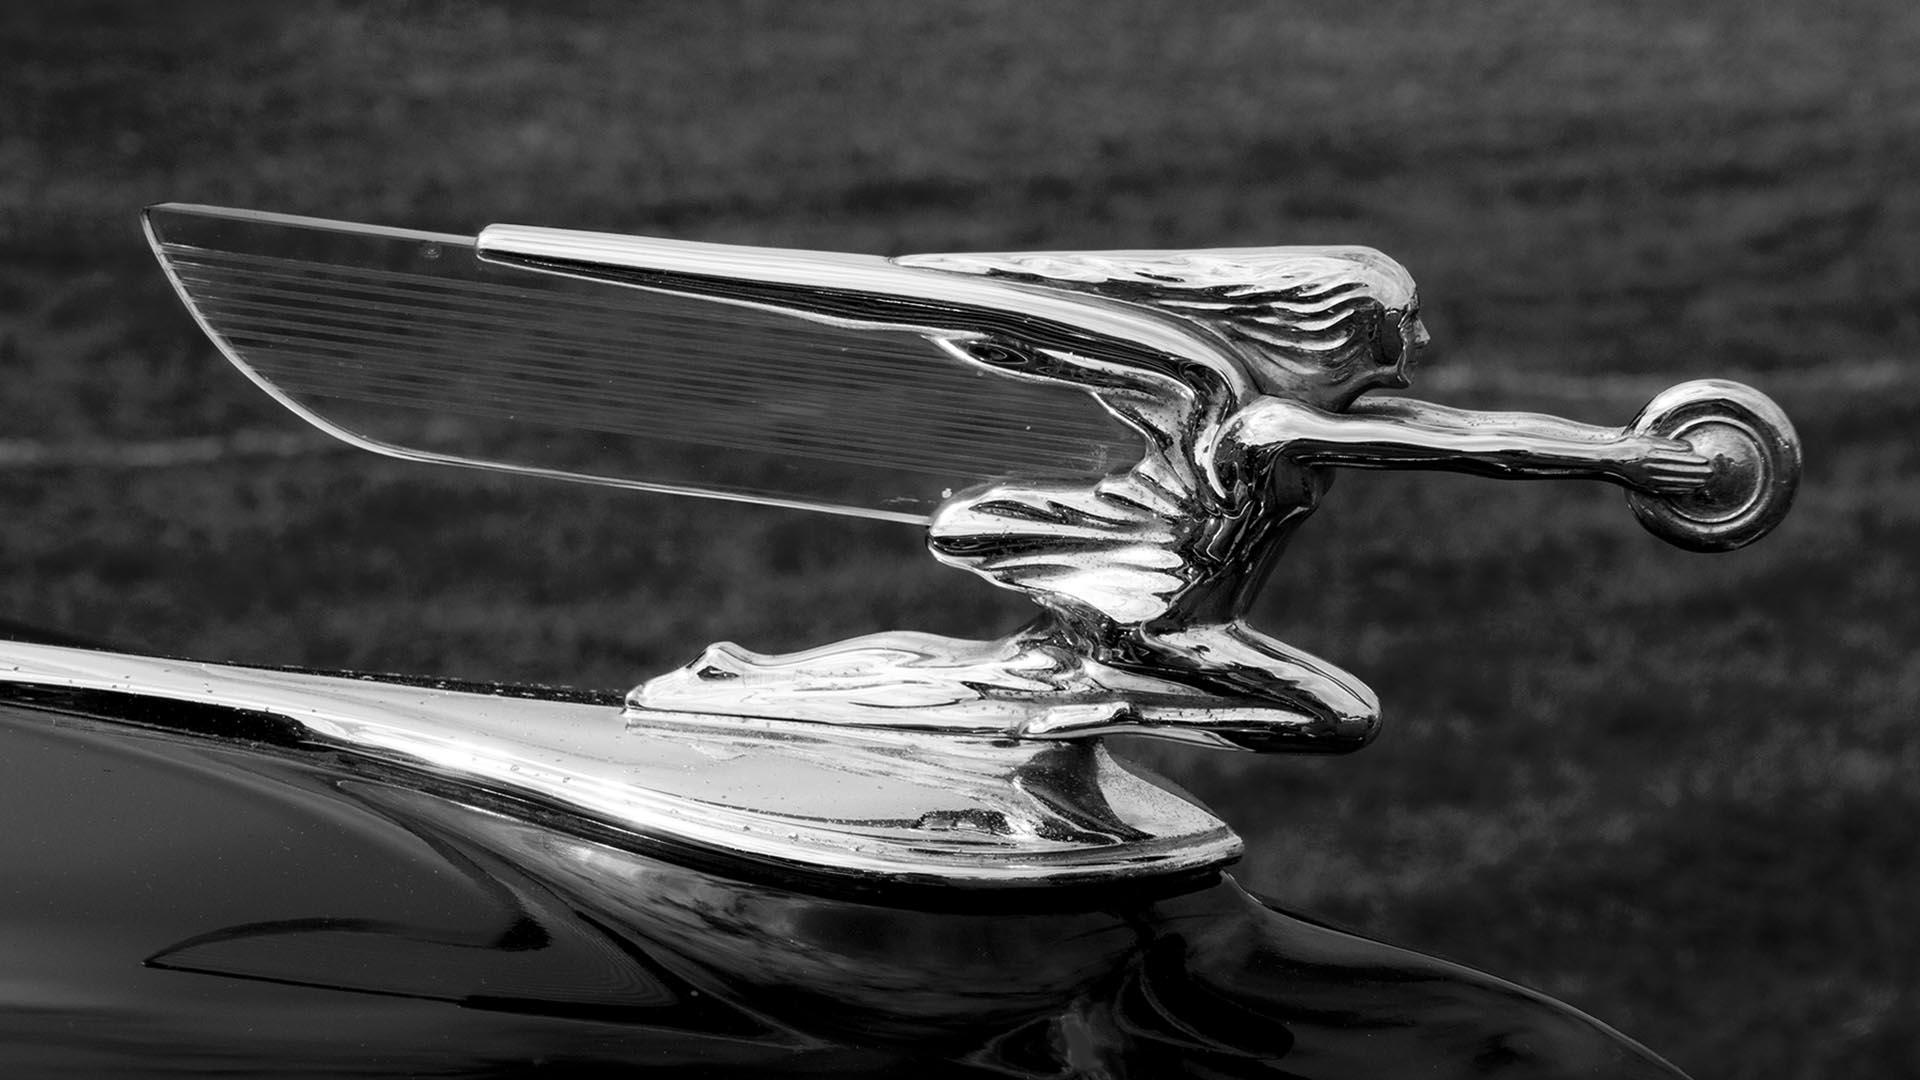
1316	311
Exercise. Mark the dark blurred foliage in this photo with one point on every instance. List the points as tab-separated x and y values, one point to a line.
1676	790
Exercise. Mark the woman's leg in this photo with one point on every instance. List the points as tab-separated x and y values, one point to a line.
1276	697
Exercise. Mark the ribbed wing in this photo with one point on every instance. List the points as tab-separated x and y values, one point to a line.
410	344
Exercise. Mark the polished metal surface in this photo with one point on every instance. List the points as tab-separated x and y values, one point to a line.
194	906
875	805
1756	465
1144	576
1241	374
409	344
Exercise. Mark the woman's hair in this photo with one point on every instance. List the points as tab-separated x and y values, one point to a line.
1320	313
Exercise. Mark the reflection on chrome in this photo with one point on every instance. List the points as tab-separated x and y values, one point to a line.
567	947
879	806
1128	438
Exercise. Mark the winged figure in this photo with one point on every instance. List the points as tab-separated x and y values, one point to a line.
1229	384
1144	575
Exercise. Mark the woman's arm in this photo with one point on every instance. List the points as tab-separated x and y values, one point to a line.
1404	433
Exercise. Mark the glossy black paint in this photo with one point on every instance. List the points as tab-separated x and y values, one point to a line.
188	892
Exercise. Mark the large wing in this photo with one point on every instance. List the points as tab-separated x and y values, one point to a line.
795	378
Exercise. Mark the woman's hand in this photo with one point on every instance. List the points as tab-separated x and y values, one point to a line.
1659	466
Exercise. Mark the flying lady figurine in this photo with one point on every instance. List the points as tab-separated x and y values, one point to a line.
1232	383
1144	576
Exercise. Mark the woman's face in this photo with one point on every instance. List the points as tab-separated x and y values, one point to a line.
1402	337
1388	338
1398	338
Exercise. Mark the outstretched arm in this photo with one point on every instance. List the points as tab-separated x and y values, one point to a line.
1404	433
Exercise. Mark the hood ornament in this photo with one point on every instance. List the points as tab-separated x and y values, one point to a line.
1128	438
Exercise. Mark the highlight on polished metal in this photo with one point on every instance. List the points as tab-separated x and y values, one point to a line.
1128	438
879	806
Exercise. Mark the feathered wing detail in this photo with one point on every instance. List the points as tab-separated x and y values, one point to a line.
1261	302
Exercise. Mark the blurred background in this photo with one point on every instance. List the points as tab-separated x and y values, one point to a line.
1676	790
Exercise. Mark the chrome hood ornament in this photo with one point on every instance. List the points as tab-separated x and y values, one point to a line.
1128	438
